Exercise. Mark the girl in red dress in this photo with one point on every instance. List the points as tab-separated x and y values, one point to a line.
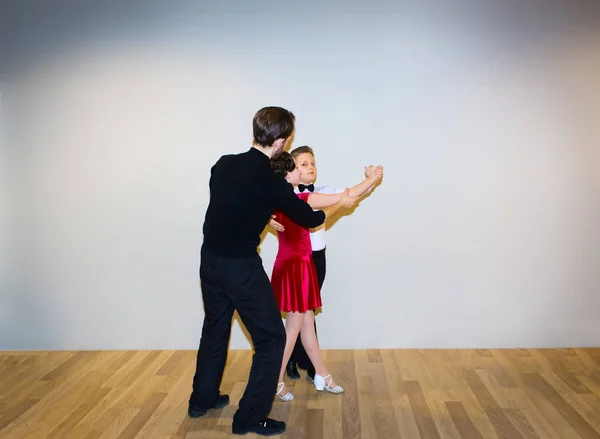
294	279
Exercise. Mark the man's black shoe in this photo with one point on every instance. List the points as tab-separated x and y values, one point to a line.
267	427
310	373
292	370
195	412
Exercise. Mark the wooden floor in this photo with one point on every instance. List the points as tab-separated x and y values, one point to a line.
424	394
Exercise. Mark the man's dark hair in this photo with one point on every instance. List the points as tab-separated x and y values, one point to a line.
272	123
301	150
282	164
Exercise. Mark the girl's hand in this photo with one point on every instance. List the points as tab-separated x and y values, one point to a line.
275	225
347	200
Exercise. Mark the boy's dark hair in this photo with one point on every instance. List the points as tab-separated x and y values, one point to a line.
282	164
272	123
302	150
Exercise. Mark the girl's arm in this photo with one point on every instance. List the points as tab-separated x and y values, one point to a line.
320	201
374	174
345	200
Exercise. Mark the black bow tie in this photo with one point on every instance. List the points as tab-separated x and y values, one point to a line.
310	187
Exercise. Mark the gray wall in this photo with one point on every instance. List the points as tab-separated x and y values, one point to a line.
484	232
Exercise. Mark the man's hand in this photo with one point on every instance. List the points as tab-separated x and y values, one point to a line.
275	225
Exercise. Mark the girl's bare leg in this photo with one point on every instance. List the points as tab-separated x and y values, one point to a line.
311	345
293	323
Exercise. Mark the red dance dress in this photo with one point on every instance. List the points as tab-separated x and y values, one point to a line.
294	279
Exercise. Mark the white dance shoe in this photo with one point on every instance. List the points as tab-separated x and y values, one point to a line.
289	396
324	383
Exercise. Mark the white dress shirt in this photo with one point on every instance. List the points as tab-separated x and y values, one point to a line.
317	237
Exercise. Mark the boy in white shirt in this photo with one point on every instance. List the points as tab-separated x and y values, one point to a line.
305	160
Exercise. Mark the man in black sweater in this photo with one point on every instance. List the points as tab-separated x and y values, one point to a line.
244	192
